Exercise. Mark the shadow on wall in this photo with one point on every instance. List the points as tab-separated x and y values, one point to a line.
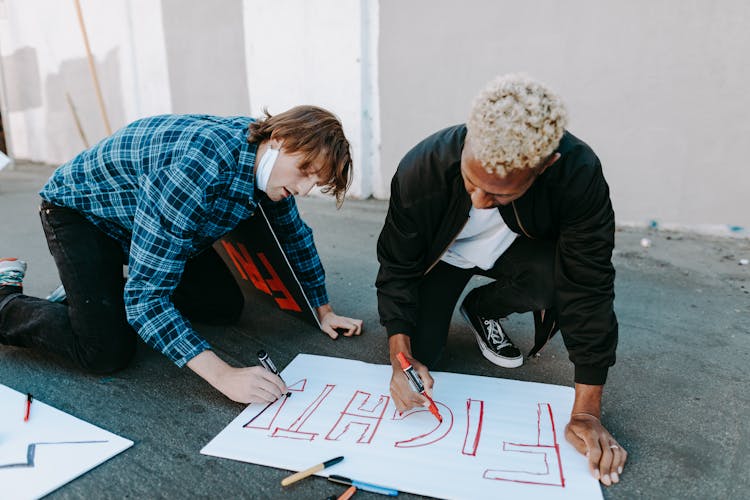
74	77
23	84
205	44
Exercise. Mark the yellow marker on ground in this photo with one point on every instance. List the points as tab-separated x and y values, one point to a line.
309	472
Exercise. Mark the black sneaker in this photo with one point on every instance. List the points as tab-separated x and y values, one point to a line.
494	343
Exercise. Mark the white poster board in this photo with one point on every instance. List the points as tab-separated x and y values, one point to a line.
51	449
498	439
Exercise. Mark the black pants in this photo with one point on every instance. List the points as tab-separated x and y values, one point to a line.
92	330
524	281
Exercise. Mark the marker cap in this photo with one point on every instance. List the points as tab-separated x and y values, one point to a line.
402	359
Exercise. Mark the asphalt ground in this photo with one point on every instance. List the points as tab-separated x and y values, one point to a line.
677	399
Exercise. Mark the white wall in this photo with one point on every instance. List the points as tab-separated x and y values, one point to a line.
280	54
320	53
657	88
205	43
44	57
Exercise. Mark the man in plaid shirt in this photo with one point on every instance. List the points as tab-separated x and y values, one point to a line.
155	196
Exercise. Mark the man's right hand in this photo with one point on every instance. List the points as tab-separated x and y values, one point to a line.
404	397
252	384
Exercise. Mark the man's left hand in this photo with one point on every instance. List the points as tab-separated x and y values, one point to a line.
330	322
606	456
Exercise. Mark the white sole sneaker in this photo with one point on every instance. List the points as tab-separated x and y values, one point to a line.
488	353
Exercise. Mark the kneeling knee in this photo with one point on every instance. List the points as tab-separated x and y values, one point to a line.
103	360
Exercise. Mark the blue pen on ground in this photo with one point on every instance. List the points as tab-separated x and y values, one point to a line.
265	361
372	488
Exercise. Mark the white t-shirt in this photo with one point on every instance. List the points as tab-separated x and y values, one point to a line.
481	242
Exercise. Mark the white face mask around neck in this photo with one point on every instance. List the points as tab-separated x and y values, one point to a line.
265	166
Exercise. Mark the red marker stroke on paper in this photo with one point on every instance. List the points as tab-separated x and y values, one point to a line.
29	397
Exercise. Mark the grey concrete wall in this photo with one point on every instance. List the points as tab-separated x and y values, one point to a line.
657	88
206	56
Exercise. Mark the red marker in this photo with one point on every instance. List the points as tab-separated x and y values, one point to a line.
348	493
28	406
416	384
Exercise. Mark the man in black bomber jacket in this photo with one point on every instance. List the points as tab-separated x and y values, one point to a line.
513	196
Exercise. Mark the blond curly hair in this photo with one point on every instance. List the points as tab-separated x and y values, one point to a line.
515	123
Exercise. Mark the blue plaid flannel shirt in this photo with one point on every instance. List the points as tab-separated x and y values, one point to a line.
167	187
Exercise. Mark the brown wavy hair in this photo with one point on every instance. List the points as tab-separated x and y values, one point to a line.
315	133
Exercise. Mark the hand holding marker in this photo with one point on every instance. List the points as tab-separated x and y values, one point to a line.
416	384
265	361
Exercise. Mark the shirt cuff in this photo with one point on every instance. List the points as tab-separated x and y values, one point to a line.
183	350
317	296
590	375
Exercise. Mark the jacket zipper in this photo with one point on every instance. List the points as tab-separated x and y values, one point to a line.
446	248
538	347
518	220
552	329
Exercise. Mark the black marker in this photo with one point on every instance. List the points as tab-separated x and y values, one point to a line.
265	360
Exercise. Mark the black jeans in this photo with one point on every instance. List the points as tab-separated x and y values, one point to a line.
91	329
524	281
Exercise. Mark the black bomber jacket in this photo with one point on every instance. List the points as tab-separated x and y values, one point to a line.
568	203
